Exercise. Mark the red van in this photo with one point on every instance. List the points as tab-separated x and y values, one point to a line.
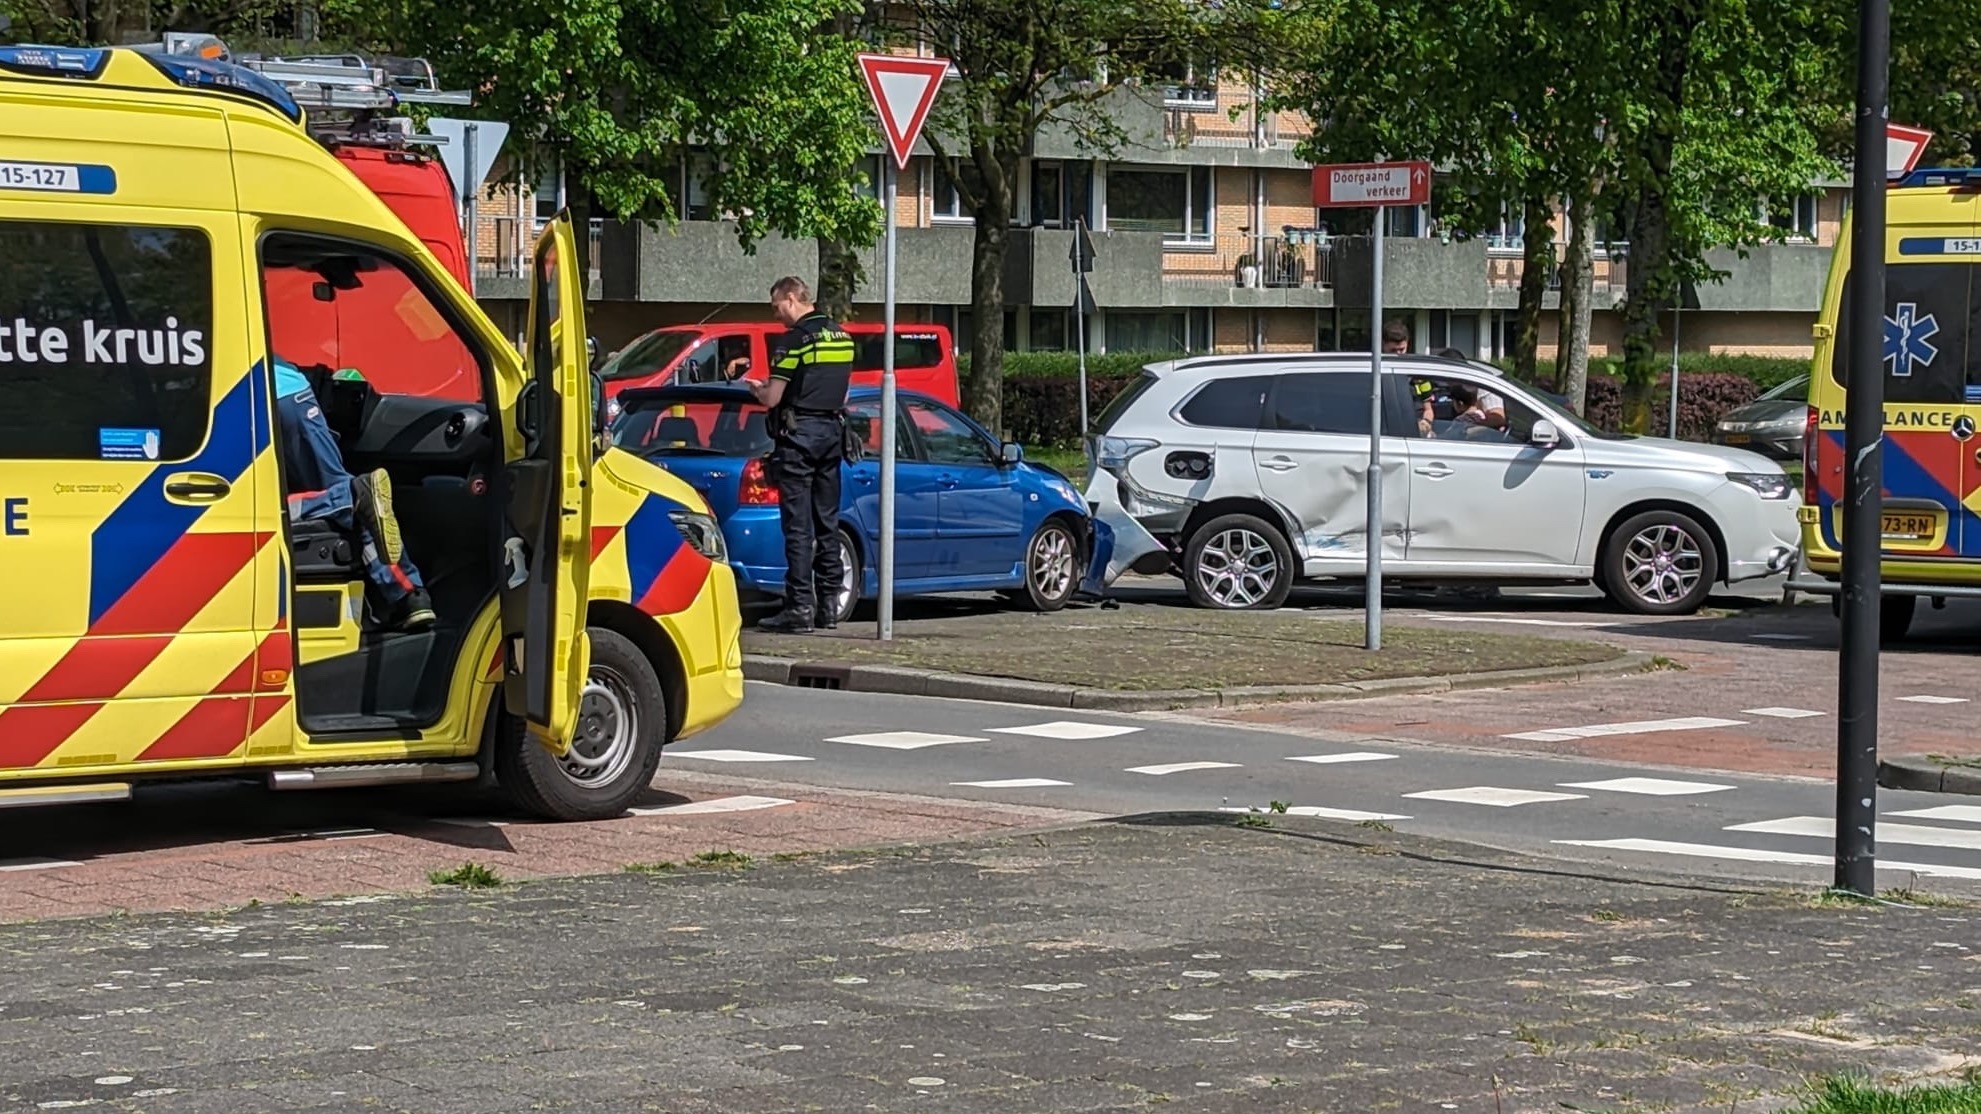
924	357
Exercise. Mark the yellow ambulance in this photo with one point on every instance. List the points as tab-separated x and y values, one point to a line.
1932	374
162	616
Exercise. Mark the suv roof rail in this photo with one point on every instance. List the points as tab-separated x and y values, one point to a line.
348	97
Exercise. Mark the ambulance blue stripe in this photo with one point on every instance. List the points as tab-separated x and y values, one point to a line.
145	525
651	541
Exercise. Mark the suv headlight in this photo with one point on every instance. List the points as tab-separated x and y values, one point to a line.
1768	485
702	532
1112	454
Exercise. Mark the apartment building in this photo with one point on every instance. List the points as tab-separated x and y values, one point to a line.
1206	239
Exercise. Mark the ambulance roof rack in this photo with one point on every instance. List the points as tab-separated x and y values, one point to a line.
349	99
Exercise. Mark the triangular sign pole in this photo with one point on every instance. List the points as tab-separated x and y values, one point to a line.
903	88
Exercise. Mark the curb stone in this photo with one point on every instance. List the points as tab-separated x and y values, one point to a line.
901	680
1924	775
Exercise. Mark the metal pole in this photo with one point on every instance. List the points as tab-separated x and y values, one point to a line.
1677	313
886	631
1080	322
1372	621
1864	430
468	192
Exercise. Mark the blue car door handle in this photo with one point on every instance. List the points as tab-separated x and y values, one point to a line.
863	478
946	480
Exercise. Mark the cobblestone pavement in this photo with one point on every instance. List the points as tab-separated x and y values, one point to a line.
1182	962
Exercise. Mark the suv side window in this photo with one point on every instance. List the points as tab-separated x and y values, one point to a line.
105	341
1228	403
1320	402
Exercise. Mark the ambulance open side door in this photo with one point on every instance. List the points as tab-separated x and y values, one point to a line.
549	503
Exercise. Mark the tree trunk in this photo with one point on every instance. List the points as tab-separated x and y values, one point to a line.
1578	283
983	387
1537	266
1648	288
839	279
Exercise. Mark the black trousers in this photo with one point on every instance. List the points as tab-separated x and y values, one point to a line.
806	463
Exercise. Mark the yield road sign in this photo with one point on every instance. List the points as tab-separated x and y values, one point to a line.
454	154
903	88
1372	185
1903	146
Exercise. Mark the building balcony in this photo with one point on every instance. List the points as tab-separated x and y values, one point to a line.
1295	268
502	268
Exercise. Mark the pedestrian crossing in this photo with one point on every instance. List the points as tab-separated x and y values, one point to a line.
1619	813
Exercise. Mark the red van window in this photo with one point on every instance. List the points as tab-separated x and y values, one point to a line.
911	352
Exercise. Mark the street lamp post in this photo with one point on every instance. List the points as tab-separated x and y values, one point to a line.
1864	431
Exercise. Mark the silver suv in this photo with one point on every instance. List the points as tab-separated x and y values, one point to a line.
1243	474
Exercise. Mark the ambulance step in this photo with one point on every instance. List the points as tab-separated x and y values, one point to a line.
380	773
32	796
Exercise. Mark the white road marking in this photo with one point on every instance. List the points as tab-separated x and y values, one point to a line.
1068	729
1493	796
903	740
333	834
1638	727
35	864
1915	835
1014	783
1965	814
1180	767
471	822
1331	759
1325	813
1780	637
1934	699
1513	621
1783	713
719	804
1648	786
1754	855
735	756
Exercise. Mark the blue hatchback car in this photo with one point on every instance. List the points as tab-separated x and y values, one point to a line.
970	514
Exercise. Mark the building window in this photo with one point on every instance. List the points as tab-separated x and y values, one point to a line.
1049	208
548	191
1047	331
1149	332
867	185
1176	203
1189	85
1403	220
1797	217
696	172
945	201
1509	233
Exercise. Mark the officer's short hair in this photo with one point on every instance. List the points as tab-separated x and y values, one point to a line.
793	287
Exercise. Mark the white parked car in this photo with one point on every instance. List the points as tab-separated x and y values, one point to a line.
1243	474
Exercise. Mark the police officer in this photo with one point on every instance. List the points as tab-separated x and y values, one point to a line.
806	394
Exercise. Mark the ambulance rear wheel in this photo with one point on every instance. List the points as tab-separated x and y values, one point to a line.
622	722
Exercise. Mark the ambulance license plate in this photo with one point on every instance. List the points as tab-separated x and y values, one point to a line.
1909	527
40	176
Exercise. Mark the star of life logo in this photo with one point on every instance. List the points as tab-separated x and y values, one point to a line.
1907	337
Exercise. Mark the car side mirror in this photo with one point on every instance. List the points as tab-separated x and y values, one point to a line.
1011	453
1544	435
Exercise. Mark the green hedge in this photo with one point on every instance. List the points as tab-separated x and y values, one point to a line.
1101	364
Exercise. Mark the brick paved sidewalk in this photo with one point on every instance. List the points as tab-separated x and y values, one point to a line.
1178	963
223	846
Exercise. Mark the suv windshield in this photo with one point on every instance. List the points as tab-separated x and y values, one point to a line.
646	355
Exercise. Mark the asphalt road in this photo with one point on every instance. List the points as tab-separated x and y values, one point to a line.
1641	814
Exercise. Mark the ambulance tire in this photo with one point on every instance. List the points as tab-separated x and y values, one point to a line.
622	722
1895	617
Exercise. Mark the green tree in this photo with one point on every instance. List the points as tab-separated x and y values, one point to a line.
1024	65
618	91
